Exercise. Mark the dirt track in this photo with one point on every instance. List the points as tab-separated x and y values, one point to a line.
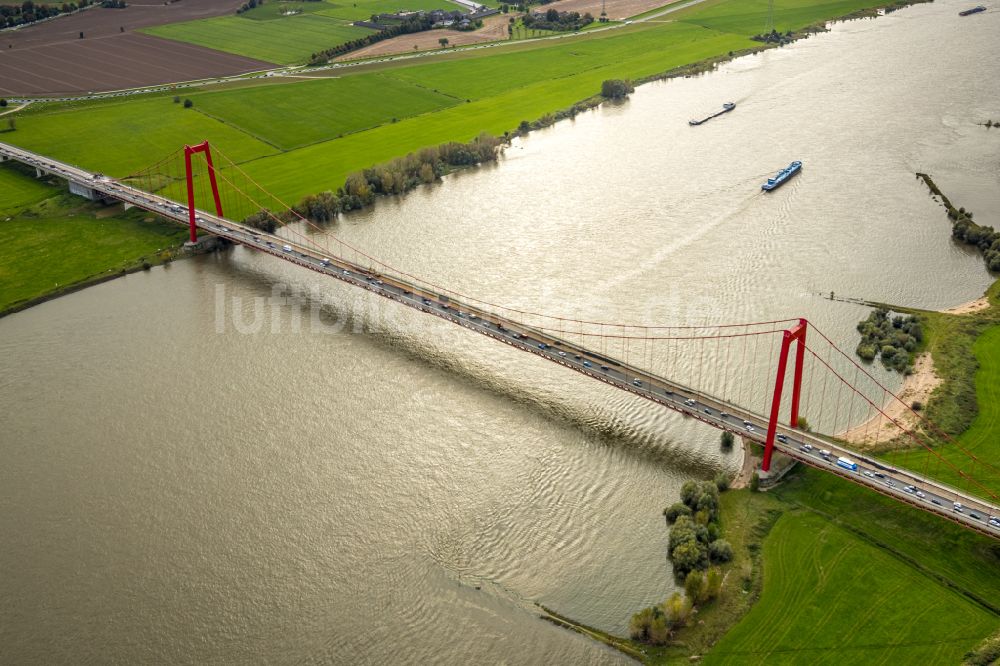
50	57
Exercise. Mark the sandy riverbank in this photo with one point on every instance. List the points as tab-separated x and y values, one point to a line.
980	303
917	387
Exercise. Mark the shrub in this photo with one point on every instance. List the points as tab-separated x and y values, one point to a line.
719	551
727	440
616	88
688	556
916	405
677	609
755	482
713	583
722	481
638	626
675	511
694	586
188	103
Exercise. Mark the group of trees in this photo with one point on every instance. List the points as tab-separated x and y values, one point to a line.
892	339
773	37
971	233
114	4
556	20
656	624
694	545
416	23
248	5
394	177
29	12
694	532
616	88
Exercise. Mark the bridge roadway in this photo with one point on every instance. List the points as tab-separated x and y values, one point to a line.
900	484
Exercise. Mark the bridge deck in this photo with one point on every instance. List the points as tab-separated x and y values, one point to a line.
927	494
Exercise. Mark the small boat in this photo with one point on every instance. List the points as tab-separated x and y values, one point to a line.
726	108
782	176
974	10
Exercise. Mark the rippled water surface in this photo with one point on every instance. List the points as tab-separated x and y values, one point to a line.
381	488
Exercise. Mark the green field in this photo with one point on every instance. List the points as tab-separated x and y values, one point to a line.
19	190
277	10
359	11
750	16
831	598
284	41
155	127
320	109
61	240
957	557
522	81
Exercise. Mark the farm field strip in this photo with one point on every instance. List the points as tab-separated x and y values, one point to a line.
874	609
361	11
320	109
157	127
284	41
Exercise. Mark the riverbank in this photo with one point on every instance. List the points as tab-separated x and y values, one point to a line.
747	519
53	243
881	430
862	557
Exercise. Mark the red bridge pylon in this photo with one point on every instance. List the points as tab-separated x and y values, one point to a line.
202	147
796	334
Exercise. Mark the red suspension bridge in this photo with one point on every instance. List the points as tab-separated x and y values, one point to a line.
758	380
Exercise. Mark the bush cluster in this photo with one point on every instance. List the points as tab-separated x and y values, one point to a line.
694	532
248	5
616	88
892	339
983	237
656	624
114	4
773	37
412	24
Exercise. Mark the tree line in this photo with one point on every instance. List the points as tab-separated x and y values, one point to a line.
393	177
693	546
558	21
29	12
418	23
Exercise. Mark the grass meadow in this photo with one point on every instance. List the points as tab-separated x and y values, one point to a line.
830	597
19	190
59	240
284	41
359	11
155	127
320	109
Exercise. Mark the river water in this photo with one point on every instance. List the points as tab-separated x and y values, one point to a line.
198	469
